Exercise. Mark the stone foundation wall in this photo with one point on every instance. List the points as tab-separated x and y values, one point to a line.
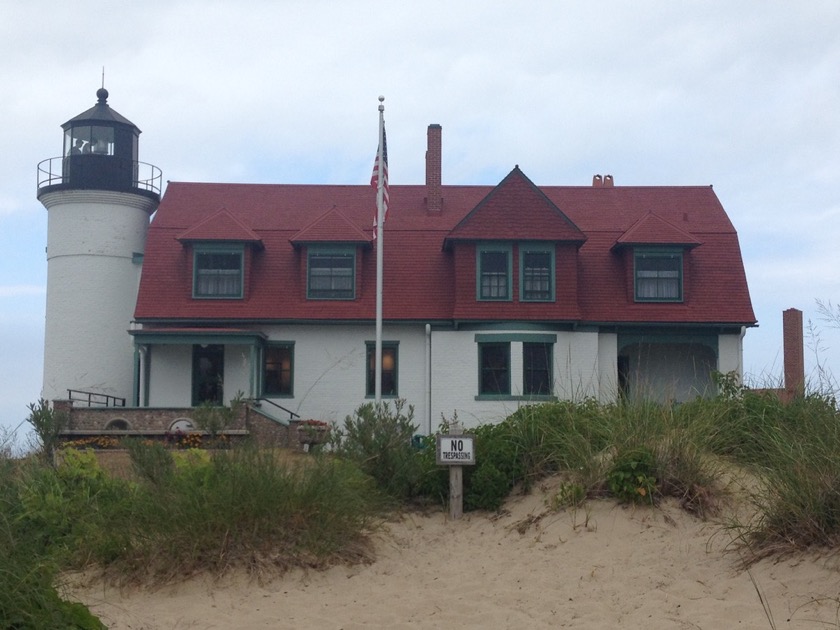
153	421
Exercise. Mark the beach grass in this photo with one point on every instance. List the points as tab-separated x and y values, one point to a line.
181	513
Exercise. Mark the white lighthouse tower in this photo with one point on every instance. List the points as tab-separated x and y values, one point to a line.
99	198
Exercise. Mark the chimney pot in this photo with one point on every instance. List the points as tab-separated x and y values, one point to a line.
597	182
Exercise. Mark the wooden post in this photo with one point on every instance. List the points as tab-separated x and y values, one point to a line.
456	482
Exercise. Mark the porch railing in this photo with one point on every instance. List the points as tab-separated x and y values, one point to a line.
94	399
292	414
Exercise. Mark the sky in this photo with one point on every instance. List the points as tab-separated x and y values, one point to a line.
742	95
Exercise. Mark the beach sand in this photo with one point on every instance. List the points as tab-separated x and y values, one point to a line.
598	566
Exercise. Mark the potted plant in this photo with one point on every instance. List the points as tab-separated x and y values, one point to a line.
312	432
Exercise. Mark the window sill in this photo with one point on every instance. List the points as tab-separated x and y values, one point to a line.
531	398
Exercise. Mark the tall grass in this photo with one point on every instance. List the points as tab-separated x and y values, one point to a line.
245	508
796	458
193	511
28	571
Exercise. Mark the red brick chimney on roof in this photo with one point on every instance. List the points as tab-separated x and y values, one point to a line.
434	199
793	341
603	182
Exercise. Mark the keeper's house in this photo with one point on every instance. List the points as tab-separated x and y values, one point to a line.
494	296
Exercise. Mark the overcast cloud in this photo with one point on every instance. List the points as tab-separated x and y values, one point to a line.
743	95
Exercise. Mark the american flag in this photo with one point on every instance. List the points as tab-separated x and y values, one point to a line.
374	181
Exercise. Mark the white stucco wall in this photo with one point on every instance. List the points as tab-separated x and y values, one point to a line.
330	371
92	284
170	376
731	354
607	367
455	375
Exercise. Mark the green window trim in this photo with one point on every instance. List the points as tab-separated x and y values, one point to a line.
658	274
390	369
537	369
278	369
331	273
493	272
536	272
494	369
218	272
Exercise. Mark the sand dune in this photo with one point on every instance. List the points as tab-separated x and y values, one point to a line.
603	566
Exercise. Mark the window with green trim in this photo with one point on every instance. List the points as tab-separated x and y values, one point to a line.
218	272
278	369
536	264
389	368
494	271
658	275
494	368
537	365
331	274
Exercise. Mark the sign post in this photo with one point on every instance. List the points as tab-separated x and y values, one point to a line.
456	450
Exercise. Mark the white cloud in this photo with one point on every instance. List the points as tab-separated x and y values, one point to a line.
740	95
20	290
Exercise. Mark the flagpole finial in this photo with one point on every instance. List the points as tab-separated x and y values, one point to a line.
381	106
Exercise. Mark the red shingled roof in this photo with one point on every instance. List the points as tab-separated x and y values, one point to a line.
331	227
421	278
221	226
516	210
654	230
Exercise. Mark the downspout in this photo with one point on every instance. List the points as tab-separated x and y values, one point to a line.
138	362
427	373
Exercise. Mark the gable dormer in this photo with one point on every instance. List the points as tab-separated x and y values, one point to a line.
516	210
654	253
516	246
331	245
222	247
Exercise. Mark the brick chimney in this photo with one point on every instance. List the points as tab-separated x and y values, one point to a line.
434	199
793	342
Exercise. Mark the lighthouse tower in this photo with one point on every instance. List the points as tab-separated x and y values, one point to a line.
99	198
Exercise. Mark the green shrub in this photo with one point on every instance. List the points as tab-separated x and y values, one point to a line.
379	440
246	508
152	461
28	568
632	476
48	425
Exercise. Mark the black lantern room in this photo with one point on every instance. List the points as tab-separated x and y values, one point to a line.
100	153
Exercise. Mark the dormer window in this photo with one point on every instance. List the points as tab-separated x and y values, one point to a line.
331	273
218	271
536	264
494	271
658	275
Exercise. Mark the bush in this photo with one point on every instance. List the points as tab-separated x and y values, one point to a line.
48	425
28	569
245	508
632	476
380	442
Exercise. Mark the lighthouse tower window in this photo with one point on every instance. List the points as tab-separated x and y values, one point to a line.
89	139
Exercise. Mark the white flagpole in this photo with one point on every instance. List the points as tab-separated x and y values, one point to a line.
380	234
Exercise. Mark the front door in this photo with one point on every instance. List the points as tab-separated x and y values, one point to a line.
208	374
